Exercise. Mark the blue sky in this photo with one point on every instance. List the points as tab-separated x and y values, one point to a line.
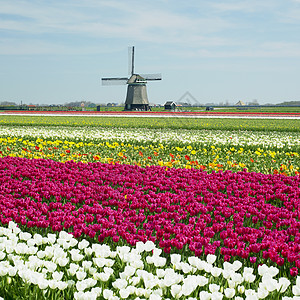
57	51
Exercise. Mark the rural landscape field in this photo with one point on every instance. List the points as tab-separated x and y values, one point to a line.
149	208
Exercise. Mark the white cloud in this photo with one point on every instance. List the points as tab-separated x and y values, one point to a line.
196	29
246	6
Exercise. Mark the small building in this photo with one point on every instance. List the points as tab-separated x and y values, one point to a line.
31	107
170	105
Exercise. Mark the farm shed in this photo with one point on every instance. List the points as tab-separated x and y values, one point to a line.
170	105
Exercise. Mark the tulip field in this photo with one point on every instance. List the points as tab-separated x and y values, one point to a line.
148	212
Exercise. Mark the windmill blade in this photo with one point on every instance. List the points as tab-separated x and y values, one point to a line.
114	81
130	61
150	77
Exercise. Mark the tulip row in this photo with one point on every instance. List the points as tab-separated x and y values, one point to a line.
58	266
173	122
250	216
210	150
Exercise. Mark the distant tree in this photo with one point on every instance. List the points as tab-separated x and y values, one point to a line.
290	103
253	102
90	104
73	104
8	103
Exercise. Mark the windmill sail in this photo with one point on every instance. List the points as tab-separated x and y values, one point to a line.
150	77
114	81
130	60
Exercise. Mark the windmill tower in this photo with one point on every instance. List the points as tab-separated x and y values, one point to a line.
136	97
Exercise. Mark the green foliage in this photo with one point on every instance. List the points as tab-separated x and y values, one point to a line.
291	125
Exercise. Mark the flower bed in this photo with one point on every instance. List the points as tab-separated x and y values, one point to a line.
57	266
201	149
249	216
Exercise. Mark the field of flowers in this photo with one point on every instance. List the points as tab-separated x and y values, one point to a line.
268	153
177	122
141	213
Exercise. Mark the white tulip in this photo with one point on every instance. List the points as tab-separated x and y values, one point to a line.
140	247
149	246
216	272
237	278
49	252
213	287
52	284
228	273
283	284
25	236
298	281
2	255
51	238
160	273
194	261
241	289
128	272
236	265
43	284
201	280
31	242
79	295
248	270
159	262
270	283
216	296
206	266
57	275
211	258
229	292
186	268
107	294
62	261
150	260
83	244
232	284
73	242
73	269
187	289
124	293
62	285
249	277
135	280
88	251
157	252
12	271
123	250
296	290
80	275
38	239
176	291
250	294
175	258
51	266
203	295
119	284
41	254
137	264
81	286
155	297
262	293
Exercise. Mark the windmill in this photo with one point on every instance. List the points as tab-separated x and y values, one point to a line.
136	97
